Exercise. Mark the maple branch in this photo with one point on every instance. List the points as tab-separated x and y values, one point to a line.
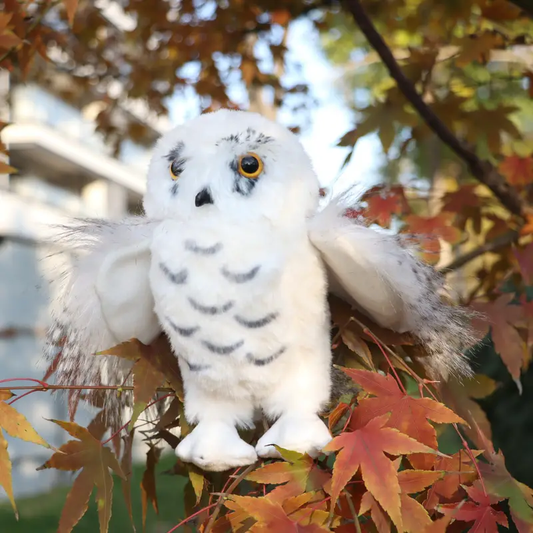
46	386
224	495
482	170
491	246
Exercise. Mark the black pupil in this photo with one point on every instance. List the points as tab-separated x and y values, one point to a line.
249	164
176	168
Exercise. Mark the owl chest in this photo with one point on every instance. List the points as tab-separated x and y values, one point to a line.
219	296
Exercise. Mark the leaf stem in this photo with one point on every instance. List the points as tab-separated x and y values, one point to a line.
183	522
128	422
224	495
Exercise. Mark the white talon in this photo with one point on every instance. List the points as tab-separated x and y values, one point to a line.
306	434
215	446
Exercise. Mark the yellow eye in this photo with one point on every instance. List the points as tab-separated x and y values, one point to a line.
250	165
176	168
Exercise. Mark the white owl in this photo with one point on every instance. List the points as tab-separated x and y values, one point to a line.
233	261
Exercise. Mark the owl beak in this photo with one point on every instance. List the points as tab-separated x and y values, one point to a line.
203	197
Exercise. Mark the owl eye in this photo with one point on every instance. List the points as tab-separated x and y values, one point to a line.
176	168
250	166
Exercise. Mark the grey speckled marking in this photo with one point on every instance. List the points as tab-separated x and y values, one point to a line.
192	246
184	332
210	310
193	367
240	277
174	189
259	323
179	278
265	360
222	350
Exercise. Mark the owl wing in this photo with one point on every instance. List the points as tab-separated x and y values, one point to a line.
102	298
380	275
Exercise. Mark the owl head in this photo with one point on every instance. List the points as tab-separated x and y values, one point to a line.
234	164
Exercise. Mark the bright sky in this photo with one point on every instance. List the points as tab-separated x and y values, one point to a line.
329	121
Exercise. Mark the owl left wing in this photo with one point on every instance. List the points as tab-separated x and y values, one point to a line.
380	275
103	298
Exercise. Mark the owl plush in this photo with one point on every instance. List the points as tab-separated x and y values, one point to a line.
233	261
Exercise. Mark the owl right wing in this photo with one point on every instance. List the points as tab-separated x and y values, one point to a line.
102	298
380	275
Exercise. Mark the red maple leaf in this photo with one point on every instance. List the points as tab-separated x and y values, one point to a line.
462	199
479	511
409	415
365	449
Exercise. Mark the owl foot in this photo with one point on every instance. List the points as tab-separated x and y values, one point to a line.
304	434
215	446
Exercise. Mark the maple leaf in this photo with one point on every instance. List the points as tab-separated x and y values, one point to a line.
477	48
96	461
459	394
153	364
439	225
126	465
502	319
148	489
271	516
365	449
414	516
381	208
409	415
298	469
517	170
459	470
462	199
479	511
15	425
500	483
524	257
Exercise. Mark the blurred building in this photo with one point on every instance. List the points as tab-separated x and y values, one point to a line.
65	169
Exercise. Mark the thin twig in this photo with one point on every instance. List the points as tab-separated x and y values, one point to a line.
77	387
491	246
183	522
352	509
482	170
224	495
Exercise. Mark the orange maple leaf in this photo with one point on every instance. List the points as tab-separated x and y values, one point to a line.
502	321
440	226
414	516
365	449
408	415
271	516
518	170
96	461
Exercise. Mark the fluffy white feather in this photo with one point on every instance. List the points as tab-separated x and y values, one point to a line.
102	298
380	275
235	270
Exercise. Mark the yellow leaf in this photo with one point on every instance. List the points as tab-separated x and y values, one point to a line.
5	472
17	426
